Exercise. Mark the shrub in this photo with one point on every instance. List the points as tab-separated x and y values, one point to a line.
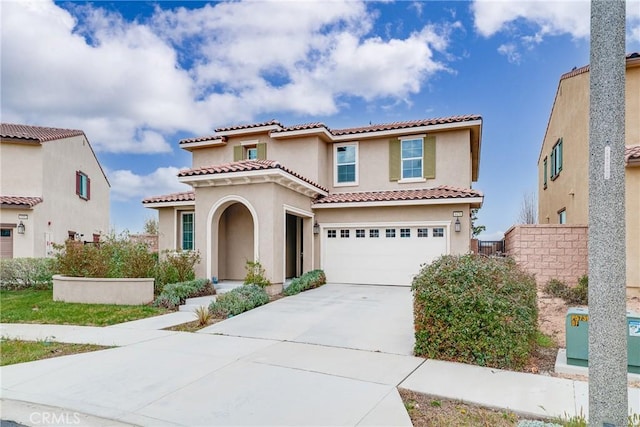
27	273
175	267
175	294
116	257
475	309
572	295
203	315
255	274
239	300
309	280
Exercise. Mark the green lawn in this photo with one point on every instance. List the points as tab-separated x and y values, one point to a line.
14	351
31	306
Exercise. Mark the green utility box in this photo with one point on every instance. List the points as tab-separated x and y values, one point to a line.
577	328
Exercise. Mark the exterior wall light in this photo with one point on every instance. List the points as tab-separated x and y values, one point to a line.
457	226
316	228
21	228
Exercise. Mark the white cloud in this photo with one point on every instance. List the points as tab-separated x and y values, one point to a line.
510	51
133	85
126	185
544	18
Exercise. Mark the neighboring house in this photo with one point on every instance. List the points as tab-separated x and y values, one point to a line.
52	189
563	164
367	205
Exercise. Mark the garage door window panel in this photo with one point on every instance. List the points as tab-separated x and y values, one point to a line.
360	234
374	233
344	234
390	232
423	232
438	232
331	234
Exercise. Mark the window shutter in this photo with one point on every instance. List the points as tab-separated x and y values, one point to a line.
78	183
544	165
394	160
553	164
560	155
88	188
262	151
237	153
429	157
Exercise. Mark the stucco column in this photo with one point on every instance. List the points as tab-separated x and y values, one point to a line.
607	299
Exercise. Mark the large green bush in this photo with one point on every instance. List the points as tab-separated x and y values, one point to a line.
309	280
239	300
475	309
175	294
27	273
175	267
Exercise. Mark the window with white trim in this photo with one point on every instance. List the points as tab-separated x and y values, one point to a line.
83	185
344	234
374	233
423	232
556	159
251	153
331	234
411	155
405	232
346	164
390	232
438	232
187	228
360	234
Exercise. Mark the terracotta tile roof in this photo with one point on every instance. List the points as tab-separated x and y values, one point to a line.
631	152
188	196
304	126
20	200
408	124
202	138
37	133
245	166
585	69
249	126
441	192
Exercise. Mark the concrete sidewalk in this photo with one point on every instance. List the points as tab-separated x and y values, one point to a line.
332	356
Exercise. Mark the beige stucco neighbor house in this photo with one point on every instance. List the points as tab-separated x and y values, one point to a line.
367	205
563	164
52	188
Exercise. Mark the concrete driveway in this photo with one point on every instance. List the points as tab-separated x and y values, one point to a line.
330	356
374	318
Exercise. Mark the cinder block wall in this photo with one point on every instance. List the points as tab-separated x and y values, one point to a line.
549	251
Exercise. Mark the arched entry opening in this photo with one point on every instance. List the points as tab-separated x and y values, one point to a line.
233	238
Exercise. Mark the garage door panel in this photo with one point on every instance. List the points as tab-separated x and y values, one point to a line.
381	260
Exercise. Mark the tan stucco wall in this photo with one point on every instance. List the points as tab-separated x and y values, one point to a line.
569	120
23	244
52	170
238	244
89	290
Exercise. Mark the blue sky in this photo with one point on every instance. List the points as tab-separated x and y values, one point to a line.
139	76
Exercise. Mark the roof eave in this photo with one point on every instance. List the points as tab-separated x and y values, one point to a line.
475	202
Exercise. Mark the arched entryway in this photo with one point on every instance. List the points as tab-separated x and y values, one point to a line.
232	238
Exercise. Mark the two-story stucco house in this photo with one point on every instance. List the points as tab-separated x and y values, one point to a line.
367	205
563	164
52	189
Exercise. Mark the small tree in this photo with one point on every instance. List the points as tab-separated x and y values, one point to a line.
151	226
529	209
476	229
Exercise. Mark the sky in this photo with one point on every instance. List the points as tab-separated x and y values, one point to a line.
138	76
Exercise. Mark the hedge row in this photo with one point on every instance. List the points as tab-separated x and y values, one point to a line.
175	294
238	300
27	273
309	280
475	309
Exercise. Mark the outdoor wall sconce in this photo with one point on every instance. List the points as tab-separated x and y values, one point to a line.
316	228
21	228
457	226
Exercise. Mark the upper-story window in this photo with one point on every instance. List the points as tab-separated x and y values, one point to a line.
346	164
83	185
186	230
250	150
556	159
411	153
544	165
412	158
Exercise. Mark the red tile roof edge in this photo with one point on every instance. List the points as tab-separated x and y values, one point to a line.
631	152
246	166
20	200
584	69
440	192
186	196
37	133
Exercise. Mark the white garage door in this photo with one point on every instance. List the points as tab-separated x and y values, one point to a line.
386	255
